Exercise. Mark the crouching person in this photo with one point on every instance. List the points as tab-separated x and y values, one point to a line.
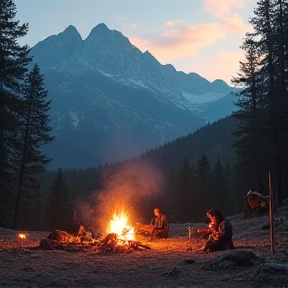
221	232
159	225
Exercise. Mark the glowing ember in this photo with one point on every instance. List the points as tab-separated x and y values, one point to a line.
119	226
22	236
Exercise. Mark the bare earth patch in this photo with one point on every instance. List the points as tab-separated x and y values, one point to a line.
172	262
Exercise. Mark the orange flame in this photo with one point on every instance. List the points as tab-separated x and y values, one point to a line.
119	226
22	236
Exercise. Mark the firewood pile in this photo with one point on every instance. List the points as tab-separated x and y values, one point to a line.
62	240
111	243
142	229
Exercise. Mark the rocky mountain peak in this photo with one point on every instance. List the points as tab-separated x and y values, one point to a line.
100	29
56	50
107	39
111	53
70	33
218	85
111	101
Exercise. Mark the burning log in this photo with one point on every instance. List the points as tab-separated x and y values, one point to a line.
61	240
143	229
120	238
113	243
61	236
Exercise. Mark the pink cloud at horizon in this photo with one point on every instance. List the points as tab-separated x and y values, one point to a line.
226	64
222	8
179	41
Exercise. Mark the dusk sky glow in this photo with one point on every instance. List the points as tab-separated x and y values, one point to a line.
201	36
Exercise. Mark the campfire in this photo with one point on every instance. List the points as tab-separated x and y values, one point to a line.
119	226
119	238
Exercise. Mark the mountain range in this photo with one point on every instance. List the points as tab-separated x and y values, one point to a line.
111	102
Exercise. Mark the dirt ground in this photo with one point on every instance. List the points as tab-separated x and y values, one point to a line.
172	262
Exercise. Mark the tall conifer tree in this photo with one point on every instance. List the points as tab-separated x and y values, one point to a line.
183	198
13	66
219	187
34	133
269	26
270	141
204	183
59	210
248	131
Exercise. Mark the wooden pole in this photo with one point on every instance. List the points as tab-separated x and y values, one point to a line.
271	212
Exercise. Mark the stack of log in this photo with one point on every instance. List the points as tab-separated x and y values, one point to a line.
61	240
142	229
111	243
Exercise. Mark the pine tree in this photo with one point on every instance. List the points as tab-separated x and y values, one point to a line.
280	24
13	66
248	133
33	134
183	198
220	190
234	196
203	184
59	210
270	124
266	16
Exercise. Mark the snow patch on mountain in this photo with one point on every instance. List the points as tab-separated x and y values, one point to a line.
138	83
74	119
203	98
105	74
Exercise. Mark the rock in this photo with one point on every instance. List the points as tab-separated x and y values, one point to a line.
227	264
28	269
174	272
280	222
188	261
273	268
241	257
230	259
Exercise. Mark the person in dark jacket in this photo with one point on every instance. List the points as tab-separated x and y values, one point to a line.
221	232
159	225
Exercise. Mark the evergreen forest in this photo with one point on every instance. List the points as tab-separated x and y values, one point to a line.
213	167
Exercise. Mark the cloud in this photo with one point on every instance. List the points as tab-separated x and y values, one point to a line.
221	8
134	26
235	24
169	23
178	39
227	14
226	63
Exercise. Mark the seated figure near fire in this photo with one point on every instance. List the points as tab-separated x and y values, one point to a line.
221	232
159	225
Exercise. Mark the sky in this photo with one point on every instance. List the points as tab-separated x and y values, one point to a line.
200	36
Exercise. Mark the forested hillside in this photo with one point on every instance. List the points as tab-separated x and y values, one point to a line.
195	170
213	167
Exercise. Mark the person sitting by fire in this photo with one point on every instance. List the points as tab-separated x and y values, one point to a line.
159	225
221	234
